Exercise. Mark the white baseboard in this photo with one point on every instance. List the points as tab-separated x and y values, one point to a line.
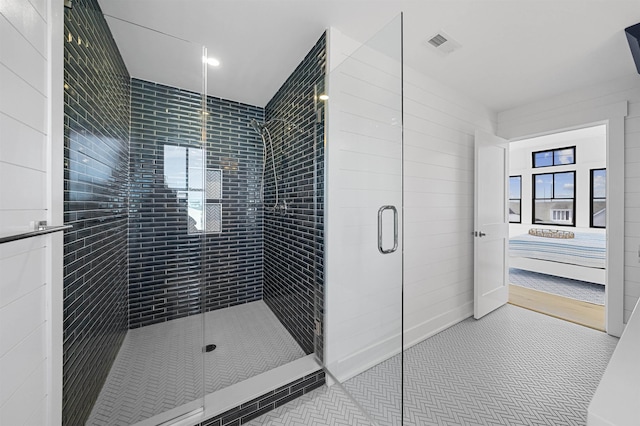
354	364
419	332
373	355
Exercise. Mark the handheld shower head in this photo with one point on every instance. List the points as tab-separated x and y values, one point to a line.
257	126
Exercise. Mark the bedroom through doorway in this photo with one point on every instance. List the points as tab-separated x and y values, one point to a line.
557	225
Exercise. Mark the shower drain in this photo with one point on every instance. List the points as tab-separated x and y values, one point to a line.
209	348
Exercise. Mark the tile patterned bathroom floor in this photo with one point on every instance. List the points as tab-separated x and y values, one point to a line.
512	367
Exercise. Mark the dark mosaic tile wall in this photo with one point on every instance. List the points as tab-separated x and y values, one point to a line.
293	238
234	259
267	402
164	260
96	125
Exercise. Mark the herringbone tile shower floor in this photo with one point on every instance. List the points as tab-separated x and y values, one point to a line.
513	367
159	367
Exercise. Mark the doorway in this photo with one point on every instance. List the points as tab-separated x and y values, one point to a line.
557	229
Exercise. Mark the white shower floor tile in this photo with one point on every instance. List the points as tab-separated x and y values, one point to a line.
160	367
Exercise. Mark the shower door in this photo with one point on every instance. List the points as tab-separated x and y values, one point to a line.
167	223
364	221
157	375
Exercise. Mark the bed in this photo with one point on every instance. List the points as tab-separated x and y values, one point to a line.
582	257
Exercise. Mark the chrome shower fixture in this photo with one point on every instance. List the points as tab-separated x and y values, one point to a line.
265	134
258	127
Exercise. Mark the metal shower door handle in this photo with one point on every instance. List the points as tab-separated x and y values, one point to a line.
395	229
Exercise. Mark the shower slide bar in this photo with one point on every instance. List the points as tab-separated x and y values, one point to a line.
40	228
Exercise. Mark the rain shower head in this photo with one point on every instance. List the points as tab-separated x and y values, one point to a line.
257	126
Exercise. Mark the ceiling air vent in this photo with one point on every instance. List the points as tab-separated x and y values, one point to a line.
442	43
437	40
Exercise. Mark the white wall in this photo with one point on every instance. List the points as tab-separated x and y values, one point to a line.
363	302
438	204
593	104
30	292
591	153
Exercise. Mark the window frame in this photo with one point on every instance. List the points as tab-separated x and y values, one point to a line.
592	198
533	198
553	161
516	199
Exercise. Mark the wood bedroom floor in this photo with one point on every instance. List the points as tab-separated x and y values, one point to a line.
576	311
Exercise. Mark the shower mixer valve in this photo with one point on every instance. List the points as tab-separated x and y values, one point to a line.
281	207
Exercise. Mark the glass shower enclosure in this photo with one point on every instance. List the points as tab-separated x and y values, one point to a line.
148	320
364	301
189	211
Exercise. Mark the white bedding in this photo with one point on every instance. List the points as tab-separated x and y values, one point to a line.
585	249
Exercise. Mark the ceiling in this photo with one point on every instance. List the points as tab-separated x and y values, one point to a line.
513	51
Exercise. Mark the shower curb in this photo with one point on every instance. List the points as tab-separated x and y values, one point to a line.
268	401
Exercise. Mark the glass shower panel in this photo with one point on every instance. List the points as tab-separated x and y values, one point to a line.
364	222
158	374
263	239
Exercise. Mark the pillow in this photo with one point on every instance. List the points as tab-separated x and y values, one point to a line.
551	233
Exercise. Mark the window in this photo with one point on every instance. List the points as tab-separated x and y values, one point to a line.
554	198
175	164
515	199
598	198
185	172
554	157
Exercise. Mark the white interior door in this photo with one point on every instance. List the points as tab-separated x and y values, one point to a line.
491	224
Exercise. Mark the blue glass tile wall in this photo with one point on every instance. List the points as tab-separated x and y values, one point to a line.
165	262
293	239
234	259
96	149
